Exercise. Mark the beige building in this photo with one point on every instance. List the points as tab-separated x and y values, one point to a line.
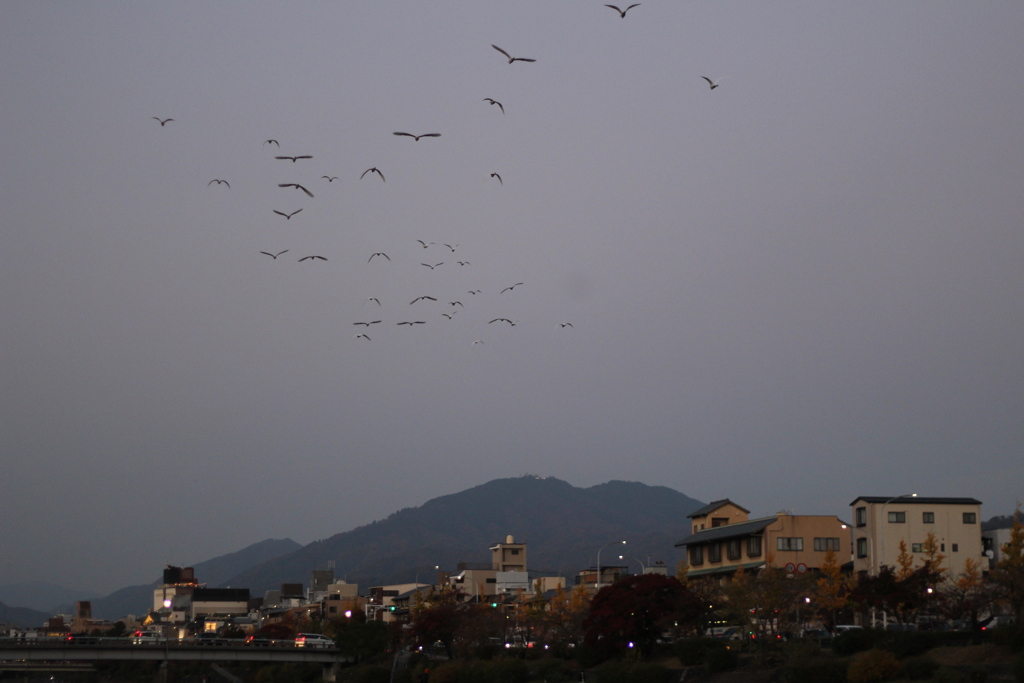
725	539
880	523
508	556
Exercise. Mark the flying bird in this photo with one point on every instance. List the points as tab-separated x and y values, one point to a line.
510	57
267	142
163	122
504	320
417	137
330	178
414	322
450	315
477	341
288	216
474	291
495	175
372	322
373	170
565	324
508	289
711	82
296	186
622	12
304	258
456	303
274	256
378	253
219	182
425	245
495	102
363	336
450	247
463	263
294	159
372	298
420	298
432	266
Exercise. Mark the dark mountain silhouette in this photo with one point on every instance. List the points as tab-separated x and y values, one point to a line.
40	596
998	522
138	600
22	617
564	526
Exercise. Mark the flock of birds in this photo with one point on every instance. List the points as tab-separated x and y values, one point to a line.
456	305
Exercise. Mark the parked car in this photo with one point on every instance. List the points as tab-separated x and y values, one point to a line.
258	641
313	640
81	639
840	629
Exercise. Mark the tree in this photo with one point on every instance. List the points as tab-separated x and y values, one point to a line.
437	616
932	556
967	596
632	612
1008	574
832	590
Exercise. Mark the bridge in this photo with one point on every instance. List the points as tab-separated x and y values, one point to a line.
59	654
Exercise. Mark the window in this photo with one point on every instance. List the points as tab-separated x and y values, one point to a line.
733	549
515	551
715	552
862	547
862	516
928	517
754	546
897	517
823	544
493	580
956	547
970	518
942	547
917	547
719	521
697	554
794	543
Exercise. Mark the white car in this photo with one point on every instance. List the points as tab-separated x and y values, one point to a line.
148	638
313	640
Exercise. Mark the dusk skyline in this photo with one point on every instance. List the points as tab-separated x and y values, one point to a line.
799	287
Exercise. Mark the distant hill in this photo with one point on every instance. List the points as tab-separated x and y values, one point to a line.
998	522
215	573
22	617
564	526
40	596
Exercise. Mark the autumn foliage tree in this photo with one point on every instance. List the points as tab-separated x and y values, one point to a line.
832	589
1008	575
635	610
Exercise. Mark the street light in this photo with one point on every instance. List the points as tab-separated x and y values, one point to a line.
885	521
598	582
643	569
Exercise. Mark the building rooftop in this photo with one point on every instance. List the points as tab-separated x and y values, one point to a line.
917	500
727	531
711	507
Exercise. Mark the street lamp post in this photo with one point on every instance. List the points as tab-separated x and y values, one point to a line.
598	581
885	520
643	569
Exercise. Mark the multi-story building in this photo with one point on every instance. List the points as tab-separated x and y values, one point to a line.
880	523
724	539
508	556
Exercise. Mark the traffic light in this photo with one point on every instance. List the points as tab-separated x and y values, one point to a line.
494	604
391	609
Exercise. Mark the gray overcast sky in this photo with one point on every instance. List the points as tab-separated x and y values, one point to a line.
800	287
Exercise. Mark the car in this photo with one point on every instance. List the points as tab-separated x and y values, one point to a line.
207	638
840	629
148	638
258	641
313	640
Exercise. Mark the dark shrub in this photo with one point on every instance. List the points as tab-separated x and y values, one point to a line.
693	651
908	643
945	674
720	659
872	666
552	670
919	669
857	640
816	671
1018	669
624	672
